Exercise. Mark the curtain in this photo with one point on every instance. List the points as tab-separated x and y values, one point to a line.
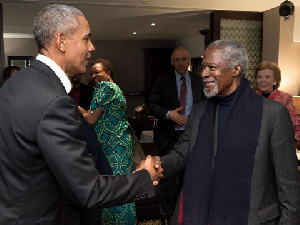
2	59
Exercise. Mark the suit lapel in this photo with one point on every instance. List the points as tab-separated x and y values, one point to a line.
195	88
46	70
173	88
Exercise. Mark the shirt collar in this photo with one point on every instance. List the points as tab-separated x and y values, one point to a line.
57	70
178	76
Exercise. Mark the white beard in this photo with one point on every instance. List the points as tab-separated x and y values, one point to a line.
212	93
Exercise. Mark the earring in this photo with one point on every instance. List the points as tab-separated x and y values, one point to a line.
274	84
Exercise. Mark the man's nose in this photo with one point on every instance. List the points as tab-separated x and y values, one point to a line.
205	72
91	47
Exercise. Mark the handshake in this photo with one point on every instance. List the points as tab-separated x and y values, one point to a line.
153	165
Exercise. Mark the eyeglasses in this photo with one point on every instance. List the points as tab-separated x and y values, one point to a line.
98	72
211	68
180	59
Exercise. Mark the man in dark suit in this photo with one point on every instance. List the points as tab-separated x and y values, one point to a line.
43	153
164	103
237	151
81	93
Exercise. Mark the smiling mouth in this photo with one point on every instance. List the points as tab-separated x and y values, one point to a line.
209	82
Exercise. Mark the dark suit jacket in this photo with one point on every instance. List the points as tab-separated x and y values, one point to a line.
44	157
86	95
275	185
164	97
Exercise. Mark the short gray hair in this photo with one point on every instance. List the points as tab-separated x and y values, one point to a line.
180	48
234	53
54	19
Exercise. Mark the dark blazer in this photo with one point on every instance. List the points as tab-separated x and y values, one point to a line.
275	186
164	97
44	157
86	95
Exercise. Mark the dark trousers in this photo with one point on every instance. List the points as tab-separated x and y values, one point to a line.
168	190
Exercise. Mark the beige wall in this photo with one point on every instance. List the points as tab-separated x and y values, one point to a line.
289	58
19	47
278	46
270	35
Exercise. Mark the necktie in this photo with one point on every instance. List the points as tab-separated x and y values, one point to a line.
182	97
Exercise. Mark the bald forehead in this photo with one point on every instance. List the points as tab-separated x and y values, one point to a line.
181	51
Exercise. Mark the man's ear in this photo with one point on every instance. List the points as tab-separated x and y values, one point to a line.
60	41
237	70
172	62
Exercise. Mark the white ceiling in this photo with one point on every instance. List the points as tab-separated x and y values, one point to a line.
118	19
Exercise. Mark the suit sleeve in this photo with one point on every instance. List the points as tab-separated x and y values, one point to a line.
64	150
285	165
178	158
155	100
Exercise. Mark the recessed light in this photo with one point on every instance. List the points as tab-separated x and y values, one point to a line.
152	24
134	33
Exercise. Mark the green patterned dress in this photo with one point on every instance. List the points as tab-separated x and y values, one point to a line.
116	138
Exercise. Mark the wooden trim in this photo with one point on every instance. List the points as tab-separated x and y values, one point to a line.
297	103
216	16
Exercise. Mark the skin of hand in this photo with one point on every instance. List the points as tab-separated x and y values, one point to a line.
177	117
91	118
153	165
83	112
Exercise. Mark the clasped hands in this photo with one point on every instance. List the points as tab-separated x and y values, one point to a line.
179	119
153	165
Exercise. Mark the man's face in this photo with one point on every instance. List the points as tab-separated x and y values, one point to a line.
181	61
76	79
78	49
218	79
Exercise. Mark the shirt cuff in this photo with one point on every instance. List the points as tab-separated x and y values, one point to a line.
168	115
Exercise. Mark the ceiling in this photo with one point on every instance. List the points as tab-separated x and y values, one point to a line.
118	19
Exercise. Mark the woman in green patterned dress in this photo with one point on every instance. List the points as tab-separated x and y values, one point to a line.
108	115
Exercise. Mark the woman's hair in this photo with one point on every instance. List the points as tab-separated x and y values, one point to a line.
106	65
233	53
54	19
271	66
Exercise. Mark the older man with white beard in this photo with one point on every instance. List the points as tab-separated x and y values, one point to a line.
238	151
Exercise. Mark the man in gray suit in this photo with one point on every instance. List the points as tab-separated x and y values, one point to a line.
43	154
238	151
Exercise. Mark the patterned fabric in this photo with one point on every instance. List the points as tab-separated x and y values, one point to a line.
249	33
115	136
287	100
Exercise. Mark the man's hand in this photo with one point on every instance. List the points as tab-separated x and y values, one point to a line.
153	165
83	112
177	117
